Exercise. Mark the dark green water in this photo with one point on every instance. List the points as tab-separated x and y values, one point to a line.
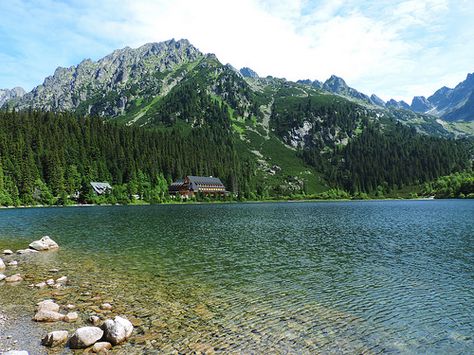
344	277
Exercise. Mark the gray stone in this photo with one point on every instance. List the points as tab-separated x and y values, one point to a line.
13	263
47	305
94	320
14	278
48	316
45	243
7	252
106	306
2	277
55	338
62	280
101	347
118	330
2	264
84	337
71	317
26	251
16	352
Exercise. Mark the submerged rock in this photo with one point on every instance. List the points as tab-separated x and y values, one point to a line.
16	352
41	284
84	337
71	317
26	251
55	338
14	278
94	320
106	306
7	252
2	264
2	277
45	243
62	280
13	263
117	330
101	347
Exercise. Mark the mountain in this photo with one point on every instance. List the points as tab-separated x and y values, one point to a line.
450	104
303	136
248	73
421	104
397	104
337	85
7	95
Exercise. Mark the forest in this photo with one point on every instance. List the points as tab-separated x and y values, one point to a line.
48	158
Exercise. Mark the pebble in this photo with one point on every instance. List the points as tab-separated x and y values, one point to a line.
106	306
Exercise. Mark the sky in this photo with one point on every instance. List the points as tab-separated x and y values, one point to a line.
393	48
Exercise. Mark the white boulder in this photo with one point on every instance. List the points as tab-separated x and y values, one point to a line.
47	305
48	316
2	264
85	337
71	317
26	251
117	330
7	252
45	243
55	338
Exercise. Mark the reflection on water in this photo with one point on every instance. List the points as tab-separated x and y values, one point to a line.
365	277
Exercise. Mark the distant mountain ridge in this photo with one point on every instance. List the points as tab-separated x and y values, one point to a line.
9	94
131	83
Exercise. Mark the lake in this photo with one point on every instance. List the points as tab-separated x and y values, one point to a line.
330	277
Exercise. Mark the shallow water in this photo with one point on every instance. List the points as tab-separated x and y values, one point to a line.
371	277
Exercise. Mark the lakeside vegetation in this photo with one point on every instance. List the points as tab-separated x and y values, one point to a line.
50	159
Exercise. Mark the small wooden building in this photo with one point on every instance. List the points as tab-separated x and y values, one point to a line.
192	185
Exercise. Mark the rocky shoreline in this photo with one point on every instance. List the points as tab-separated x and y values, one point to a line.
97	334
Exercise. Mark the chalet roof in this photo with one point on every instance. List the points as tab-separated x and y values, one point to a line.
205	180
100	187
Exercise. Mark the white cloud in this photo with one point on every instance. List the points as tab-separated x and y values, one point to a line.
393	48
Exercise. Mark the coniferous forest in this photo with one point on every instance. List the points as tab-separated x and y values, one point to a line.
48	158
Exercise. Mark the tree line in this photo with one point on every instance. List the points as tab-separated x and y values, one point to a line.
48	158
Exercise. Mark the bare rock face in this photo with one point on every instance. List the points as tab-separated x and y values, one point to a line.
55	338
118	330
45	243
84	337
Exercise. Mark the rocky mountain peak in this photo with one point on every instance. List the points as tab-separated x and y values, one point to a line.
248	73
377	100
9	94
421	104
335	84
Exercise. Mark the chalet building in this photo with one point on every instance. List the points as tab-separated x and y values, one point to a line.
101	188
191	185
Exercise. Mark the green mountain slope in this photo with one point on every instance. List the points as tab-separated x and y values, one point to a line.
297	137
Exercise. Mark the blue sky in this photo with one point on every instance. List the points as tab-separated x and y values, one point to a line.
398	48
